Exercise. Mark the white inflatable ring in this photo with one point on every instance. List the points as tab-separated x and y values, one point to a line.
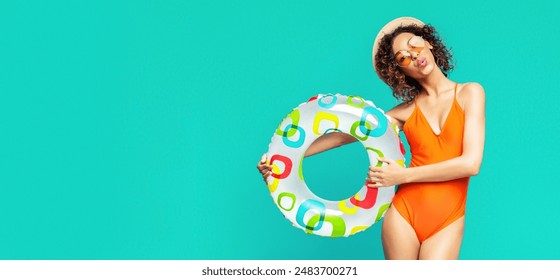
298	130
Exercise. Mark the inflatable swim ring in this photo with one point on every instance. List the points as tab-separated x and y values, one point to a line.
322	114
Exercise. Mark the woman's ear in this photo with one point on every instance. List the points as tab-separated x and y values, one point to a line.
429	45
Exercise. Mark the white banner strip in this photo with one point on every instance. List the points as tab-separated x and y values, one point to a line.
282	270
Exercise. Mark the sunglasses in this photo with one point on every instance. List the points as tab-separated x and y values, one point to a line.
415	44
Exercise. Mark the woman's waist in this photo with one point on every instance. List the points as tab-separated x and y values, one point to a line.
456	186
425	159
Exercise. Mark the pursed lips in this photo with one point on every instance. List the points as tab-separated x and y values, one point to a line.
422	61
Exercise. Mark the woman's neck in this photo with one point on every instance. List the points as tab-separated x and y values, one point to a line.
435	83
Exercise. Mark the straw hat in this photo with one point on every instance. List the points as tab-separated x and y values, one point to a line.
389	28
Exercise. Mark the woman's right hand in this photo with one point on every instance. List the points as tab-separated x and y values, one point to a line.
264	169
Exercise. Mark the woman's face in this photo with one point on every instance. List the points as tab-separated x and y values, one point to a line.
413	55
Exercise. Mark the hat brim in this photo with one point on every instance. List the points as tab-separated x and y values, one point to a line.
388	29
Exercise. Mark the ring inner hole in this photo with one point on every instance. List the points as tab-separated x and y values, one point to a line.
336	174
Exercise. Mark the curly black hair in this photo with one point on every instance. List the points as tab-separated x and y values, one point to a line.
405	87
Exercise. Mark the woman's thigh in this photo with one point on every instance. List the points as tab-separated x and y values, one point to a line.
445	244
398	237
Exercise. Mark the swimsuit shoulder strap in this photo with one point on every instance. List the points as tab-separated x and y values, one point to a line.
455	93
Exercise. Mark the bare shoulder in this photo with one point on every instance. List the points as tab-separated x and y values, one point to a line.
471	94
400	113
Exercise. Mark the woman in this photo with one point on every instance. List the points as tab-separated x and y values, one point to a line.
444	123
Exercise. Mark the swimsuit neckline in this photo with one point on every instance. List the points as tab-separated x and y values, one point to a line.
442	129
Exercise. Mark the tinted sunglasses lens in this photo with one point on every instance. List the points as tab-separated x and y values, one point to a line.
403	58
416	43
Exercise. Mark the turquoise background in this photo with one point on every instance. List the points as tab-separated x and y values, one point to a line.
131	129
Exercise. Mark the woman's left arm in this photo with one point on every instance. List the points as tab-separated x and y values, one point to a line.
467	164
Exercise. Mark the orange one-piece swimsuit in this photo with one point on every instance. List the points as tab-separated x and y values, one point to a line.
431	206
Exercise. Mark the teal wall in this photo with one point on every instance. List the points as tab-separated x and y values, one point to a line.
131	129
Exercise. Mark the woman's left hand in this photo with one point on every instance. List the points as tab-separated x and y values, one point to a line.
386	176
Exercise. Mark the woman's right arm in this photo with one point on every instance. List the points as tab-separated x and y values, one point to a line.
329	141
323	143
